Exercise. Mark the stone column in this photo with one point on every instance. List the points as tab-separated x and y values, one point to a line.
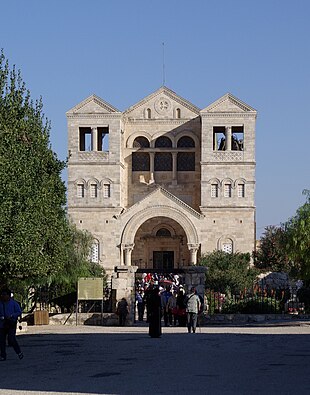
193	248
123	286
94	139
174	168
128	250
152	158
228	138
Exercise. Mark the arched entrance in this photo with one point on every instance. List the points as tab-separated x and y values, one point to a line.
161	244
157	237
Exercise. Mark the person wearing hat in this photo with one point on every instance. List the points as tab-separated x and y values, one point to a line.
9	313
193	305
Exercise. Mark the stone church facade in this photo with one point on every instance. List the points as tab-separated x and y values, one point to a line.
164	182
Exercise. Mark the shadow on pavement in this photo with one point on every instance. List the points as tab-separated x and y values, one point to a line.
178	363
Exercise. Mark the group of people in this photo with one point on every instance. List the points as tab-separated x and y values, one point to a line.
155	310
174	307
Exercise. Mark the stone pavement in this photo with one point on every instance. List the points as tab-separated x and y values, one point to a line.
111	360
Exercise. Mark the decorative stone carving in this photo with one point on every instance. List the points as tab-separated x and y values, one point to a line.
162	105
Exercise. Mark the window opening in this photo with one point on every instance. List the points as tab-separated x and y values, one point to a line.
186	141
219	138
141	142
241	190
163	232
186	161
178	113
227	190
140	161
214	190
80	190
237	138
148	113
163	161
227	247
94	252
106	190
163	142
85	139
103	138
93	190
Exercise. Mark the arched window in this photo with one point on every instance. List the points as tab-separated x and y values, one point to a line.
80	190
214	190
227	246
94	252
106	190
186	141
227	190
93	190
148	113
163	142
141	142
163	161
178	113
140	161
241	190
163	232
186	161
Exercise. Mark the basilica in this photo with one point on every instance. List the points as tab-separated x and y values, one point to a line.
163	182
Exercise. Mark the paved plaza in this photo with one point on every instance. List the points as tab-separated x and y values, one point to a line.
112	360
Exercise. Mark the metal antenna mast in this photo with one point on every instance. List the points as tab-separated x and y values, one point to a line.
164	64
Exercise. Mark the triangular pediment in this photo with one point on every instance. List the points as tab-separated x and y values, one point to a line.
228	104
163	103
93	105
161	197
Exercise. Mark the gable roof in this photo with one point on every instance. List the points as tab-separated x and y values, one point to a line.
159	193
228	103
168	92
92	104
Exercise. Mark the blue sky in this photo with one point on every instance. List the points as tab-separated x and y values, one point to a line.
256	50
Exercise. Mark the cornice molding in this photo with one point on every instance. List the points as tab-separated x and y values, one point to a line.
95	116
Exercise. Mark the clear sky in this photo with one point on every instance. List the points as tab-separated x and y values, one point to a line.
258	50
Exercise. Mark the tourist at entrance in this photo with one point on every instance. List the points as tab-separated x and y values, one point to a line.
9	313
165	295
172	309
154	312
181	307
192	309
122	311
140	304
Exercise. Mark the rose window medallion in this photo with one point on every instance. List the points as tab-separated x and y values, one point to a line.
162	105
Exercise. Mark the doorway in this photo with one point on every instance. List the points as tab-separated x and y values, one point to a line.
163	260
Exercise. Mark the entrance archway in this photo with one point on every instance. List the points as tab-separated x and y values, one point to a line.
159	229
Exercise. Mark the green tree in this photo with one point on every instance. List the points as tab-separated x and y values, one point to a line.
33	227
297	230
271	254
228	272
77	265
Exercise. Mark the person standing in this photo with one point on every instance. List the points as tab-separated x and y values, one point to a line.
9	313
171	309
193	305
154	312
140	304
122	311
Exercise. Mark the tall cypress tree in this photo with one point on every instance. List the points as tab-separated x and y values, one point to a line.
33	225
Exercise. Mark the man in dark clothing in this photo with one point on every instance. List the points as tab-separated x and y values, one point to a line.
122	311
9	313
154	310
